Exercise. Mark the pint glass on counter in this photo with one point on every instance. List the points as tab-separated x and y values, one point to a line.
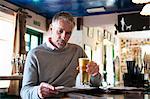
85	77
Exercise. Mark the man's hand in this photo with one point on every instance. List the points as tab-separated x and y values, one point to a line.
92	68
46	90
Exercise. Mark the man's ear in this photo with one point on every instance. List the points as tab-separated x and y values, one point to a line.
50	28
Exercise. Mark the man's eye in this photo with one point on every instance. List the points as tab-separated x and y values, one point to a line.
69	33
60	31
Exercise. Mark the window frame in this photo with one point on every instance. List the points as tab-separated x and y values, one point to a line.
34	33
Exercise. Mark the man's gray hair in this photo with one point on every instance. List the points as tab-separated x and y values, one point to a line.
65	16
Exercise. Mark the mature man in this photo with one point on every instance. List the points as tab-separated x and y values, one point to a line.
54	62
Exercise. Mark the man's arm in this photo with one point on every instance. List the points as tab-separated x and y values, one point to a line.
93	70
30	78
28	92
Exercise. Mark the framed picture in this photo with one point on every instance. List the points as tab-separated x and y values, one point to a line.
112	39
109	36
90	32
99	34
105	34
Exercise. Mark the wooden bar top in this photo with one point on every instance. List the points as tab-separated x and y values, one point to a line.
11	77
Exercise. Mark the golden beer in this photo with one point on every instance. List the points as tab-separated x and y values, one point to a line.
85	77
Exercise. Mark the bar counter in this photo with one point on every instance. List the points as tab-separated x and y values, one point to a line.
93	94
11	77
15	84
109	94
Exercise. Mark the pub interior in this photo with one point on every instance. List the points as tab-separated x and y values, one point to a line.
114	34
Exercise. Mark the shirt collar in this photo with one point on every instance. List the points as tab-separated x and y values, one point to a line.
50	45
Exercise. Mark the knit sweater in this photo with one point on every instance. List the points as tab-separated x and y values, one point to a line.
56	67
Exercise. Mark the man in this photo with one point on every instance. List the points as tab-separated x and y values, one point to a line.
54	63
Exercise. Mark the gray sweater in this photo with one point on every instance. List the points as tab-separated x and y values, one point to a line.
56	67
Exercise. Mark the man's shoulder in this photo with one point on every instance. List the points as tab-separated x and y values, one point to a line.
38	48
74	45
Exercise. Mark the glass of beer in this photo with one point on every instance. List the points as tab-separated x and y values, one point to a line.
85	77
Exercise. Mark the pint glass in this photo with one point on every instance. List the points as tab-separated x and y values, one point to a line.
85	77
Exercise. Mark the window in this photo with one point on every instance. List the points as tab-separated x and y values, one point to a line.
6	46
7	28
33	39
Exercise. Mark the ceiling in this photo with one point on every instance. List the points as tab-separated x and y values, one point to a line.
78	8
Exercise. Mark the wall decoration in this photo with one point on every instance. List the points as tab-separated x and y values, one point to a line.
109	36
99	32
105	34
98	35
112	39
133	22
90	32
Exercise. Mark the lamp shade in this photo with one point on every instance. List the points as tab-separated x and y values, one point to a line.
94	10
140	1
146	10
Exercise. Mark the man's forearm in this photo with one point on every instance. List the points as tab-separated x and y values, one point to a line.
29	92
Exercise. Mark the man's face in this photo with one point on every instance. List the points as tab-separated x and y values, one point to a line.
61	31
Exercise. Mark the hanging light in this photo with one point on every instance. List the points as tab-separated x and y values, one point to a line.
140	1
94	10
146	10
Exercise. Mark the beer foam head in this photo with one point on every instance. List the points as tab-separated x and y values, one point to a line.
83	61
